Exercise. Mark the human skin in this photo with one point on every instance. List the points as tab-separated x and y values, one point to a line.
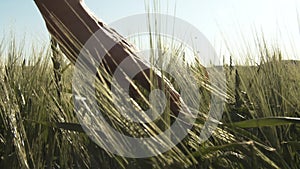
71	24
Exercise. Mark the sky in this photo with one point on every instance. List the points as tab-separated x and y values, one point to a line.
229	24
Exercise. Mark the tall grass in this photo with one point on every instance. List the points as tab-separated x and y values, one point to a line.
39	126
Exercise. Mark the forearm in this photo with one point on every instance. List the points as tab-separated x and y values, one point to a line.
72	25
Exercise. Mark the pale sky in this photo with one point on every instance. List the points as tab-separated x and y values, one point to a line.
232	20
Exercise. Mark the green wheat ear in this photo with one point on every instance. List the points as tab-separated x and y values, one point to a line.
39	128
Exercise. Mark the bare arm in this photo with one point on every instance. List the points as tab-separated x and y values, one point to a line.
72	25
